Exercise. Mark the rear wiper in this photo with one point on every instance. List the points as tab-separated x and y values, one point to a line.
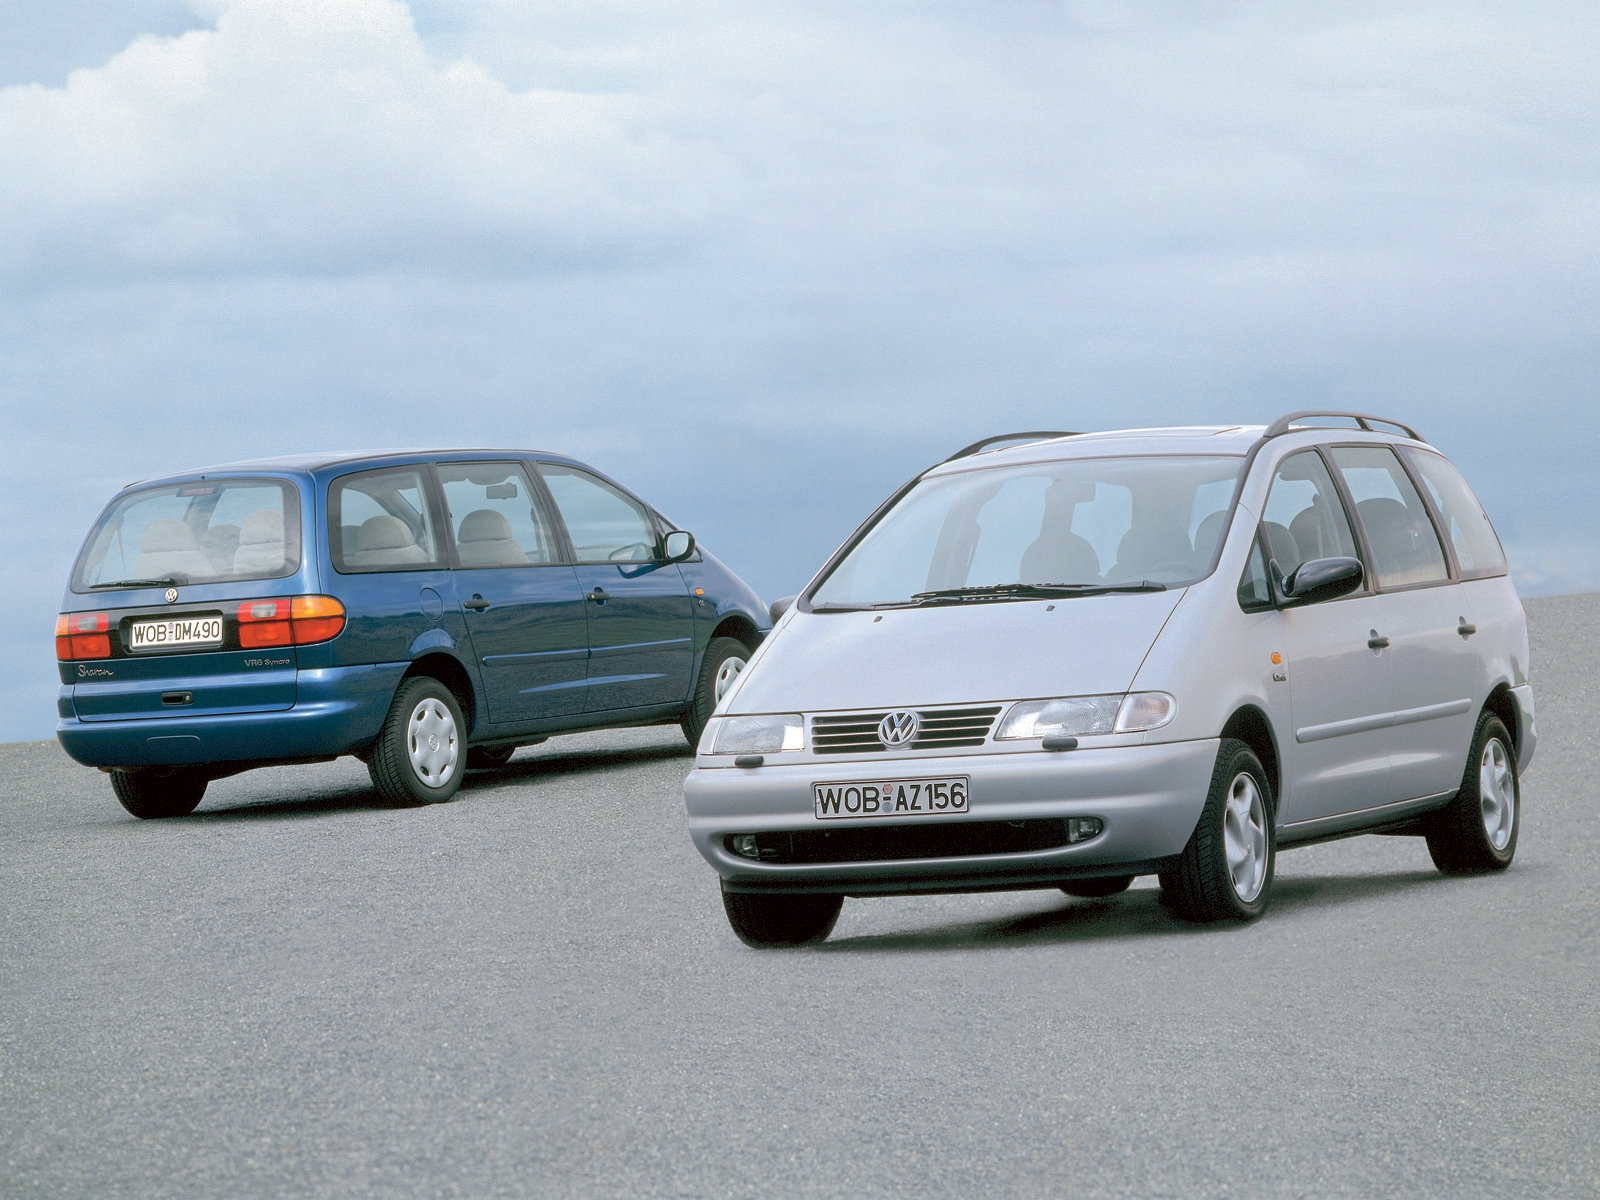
1031	591
169	581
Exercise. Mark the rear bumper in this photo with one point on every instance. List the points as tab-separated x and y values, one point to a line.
1149	798
337	710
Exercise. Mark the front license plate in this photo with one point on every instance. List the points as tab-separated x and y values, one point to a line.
179	631
890	798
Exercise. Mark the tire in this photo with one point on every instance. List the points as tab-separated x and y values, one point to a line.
1477	831
489	758
763	921
406	766
724	659
1225	872
1095	889
157	793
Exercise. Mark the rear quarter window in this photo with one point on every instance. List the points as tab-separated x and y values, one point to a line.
382	520
1471	535
211	531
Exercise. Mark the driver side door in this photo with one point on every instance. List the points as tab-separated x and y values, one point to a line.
640	613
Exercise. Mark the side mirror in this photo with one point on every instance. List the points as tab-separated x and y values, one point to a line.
778	607
1315	581
679	545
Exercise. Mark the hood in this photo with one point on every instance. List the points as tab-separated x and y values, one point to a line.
960	654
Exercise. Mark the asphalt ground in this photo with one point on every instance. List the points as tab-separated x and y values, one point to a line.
532	991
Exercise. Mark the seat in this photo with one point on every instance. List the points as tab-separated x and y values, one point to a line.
1151	552
219	543
168	549
1206	536
385	541
484	540
1282	546
260	551
1392	534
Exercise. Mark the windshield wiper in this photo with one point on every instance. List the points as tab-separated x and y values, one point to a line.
168	581
1030	591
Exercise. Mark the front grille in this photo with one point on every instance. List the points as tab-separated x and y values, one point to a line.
942	729
888	843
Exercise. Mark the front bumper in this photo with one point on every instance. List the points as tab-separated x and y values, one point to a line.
337	710
1148	797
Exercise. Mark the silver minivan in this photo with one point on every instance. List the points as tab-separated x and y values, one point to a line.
1068	660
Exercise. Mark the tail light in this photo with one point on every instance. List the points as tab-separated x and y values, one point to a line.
289	621
83	635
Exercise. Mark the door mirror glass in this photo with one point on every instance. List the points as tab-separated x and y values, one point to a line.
1321	579
679	545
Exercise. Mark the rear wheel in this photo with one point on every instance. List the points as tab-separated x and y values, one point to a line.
1225	872
1477	831
762	921
419	755
1094	889
724	659
160	792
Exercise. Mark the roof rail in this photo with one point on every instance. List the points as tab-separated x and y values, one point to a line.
1363	420
1032	435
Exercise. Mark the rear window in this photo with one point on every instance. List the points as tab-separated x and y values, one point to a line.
213	531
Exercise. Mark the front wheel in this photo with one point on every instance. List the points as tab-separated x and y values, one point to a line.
160	792
724	659
1225	872
1477	831
418	758
762	921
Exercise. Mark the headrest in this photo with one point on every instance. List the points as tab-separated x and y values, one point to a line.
166	536
263	525
383	533
484	525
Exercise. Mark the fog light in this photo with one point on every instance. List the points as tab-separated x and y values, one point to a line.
1081	829
744	845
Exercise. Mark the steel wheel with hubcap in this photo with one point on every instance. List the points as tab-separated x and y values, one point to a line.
1477	831
1225	872
724	659
418	755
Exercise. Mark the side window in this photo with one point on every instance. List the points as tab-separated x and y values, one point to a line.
1476	546
1304	518
604	524
380	521
1405	548
496	515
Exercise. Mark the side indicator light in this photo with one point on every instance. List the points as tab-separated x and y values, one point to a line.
1277	659
83	635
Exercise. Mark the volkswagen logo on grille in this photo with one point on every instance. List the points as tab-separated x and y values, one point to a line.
899	728
172	595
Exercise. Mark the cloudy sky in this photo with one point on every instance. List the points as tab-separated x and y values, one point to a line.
763	261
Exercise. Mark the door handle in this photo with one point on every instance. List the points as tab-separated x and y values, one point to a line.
476	604
1377	642
1466	629
599	595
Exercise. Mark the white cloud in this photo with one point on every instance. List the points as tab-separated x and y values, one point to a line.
320	136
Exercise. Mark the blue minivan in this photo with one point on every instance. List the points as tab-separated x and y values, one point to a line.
425	612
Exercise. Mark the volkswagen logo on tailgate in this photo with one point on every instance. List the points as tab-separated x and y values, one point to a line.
172	595
899	728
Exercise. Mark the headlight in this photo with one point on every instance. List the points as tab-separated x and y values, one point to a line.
759	735
1080	716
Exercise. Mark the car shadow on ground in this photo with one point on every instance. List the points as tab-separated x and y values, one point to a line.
270	801
1133	914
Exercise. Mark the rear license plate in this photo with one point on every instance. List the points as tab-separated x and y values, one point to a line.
177	631
890	798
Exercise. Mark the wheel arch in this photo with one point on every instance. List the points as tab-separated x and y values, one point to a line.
740	628
1251	726
1503	704
447	669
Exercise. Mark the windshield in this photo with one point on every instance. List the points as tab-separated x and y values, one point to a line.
208	532
1009	533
